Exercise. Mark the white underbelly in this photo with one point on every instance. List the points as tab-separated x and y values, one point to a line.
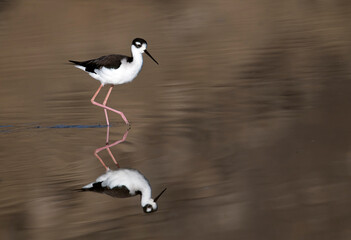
125	73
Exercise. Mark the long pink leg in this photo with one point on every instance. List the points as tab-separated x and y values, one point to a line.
105	110
108	134
107	147
106	107
102	162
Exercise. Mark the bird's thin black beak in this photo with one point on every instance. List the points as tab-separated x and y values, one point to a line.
145	51
156	198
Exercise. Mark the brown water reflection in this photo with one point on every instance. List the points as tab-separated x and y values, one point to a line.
245	120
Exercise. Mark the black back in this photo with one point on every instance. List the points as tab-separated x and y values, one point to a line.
119	191
109	61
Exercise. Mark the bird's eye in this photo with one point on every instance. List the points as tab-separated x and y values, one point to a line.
138	44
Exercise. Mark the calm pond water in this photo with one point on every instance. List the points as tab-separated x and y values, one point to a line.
246	120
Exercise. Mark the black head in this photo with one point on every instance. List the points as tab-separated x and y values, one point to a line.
151	206
140	45
148	208
138	42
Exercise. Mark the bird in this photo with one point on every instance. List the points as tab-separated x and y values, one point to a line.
115	69
124	183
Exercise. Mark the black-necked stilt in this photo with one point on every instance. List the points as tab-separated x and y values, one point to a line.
115	69
124	183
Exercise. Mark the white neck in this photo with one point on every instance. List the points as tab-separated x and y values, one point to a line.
146	197
137	55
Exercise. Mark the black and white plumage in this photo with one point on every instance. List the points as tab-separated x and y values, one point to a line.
123	183
116	69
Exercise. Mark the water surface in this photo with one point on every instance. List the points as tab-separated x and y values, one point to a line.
245	120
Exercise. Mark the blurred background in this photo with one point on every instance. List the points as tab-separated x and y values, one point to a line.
246	120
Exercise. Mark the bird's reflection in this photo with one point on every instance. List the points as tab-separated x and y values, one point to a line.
108	146
123	182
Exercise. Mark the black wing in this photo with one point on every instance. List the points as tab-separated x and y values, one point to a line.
109	61
97	187
119	191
